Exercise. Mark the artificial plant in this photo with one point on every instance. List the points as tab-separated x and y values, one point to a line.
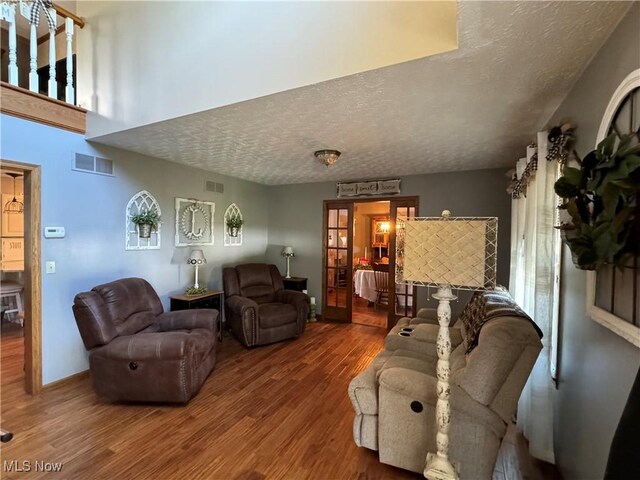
601	198
147	217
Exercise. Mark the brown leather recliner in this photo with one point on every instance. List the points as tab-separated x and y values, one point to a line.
137	352
259	309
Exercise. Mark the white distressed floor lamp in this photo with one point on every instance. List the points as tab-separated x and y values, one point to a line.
446	252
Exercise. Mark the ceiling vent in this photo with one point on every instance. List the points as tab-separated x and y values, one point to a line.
91	164
214	187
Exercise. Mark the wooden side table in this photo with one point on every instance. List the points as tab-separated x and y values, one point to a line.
209	299
295	283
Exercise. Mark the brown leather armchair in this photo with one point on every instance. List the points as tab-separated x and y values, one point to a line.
259	309
137	352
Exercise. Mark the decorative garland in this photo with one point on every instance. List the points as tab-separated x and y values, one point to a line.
561	141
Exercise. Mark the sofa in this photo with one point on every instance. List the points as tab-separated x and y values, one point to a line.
139	353
395	397
259	309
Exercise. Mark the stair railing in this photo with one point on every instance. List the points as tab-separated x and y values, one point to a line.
35	11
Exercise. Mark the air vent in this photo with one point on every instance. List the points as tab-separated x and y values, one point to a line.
104	166
90	164
213	187
84	162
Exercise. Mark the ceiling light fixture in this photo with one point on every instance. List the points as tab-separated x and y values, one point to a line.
328	157
14	206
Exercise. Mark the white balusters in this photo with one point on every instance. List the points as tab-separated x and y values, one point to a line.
53	85
69	91
8	13
33	60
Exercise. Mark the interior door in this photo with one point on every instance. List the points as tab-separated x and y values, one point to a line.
337	261
401	297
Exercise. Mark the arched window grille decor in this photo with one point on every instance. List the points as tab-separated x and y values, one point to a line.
142	200
229	239
613	294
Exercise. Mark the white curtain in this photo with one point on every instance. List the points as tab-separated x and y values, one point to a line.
534	249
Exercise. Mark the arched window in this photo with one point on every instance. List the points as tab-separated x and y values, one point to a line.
613	294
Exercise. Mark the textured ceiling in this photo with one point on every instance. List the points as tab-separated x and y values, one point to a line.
476	107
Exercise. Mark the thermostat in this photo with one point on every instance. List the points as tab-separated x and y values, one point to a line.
53	232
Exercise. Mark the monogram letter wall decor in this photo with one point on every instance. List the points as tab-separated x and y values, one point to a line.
194	222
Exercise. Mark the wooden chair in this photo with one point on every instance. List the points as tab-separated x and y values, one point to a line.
381	276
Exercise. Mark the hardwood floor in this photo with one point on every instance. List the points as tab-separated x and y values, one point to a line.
363	314
12	353
277	412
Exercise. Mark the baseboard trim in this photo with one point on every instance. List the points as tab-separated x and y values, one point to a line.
65	381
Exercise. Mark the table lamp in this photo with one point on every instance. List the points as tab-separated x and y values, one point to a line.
446	252
288	252
196	258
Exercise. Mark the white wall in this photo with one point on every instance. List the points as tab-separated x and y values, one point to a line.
92	209
142	62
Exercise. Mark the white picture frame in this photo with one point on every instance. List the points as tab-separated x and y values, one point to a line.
194	222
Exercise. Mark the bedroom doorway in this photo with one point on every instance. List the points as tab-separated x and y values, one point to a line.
359	261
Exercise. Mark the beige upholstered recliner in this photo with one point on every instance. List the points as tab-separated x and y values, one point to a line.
395	397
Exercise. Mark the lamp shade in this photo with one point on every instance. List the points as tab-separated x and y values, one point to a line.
287	252
196	257
455	251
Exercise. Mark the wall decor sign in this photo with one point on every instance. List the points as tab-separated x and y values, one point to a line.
194	222
376	187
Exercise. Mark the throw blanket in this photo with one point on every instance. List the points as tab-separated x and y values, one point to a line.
485	305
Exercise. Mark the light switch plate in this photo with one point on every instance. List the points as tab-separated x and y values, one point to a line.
50	267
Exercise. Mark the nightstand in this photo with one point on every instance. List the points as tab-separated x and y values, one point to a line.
210	299
295	283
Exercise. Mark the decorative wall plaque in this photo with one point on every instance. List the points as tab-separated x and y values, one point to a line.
194	222
377	187
141	201
230	240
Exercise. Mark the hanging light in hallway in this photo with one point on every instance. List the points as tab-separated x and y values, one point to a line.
14	206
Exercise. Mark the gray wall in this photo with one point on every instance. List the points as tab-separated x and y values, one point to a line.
596	366
92	209
295	217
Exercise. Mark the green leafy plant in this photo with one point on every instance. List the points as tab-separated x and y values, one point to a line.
234	221
195	291
147	217
602	200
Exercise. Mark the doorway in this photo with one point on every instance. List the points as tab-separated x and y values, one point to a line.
359	261
371	230
20	277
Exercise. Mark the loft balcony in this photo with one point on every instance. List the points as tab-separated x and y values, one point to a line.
38	74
